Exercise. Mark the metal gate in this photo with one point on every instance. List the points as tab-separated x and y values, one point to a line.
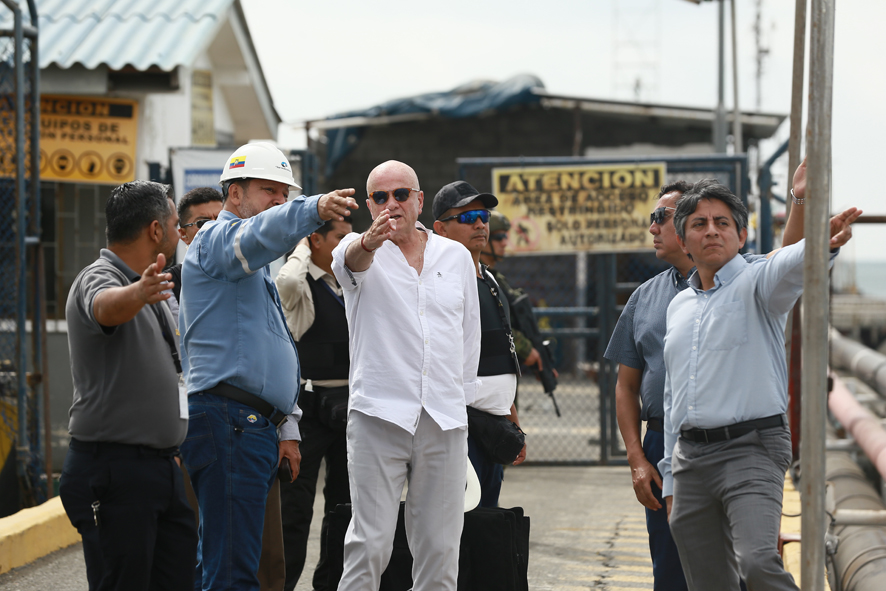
578	298
23	480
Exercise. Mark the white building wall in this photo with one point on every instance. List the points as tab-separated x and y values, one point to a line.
164	122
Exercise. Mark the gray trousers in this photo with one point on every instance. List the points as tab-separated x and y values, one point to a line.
381	458
726	511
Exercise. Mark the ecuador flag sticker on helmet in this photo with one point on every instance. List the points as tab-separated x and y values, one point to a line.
237	162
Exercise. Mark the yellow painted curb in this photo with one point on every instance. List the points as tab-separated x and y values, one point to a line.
791	525
33	533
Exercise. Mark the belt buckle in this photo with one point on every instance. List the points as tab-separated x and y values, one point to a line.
705	431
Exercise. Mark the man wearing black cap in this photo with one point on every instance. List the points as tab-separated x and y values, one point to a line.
462	215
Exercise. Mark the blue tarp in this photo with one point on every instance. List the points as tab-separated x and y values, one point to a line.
468	100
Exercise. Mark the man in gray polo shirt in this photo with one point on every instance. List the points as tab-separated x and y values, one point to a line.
120	485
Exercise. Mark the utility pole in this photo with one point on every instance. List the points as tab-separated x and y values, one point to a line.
736	112
815	295
720	114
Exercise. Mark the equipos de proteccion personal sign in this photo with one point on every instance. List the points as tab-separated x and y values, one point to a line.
88	139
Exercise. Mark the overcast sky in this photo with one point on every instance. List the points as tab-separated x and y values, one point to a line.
322	58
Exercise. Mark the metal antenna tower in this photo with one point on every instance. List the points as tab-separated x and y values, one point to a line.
762	53
636	47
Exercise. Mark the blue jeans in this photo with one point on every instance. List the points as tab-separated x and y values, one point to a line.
231	456
488	472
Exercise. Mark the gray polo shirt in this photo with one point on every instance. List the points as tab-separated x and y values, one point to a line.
125	382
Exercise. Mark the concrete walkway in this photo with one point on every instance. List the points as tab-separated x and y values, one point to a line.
587	530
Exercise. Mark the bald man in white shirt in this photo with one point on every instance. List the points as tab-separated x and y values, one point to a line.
414	323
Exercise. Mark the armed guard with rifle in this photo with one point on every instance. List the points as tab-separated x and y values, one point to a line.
533	350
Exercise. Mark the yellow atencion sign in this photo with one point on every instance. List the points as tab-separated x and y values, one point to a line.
598	208
87	139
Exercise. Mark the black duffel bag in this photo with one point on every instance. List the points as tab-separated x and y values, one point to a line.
332	407
500	438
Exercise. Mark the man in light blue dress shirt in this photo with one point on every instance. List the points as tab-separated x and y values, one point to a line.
240	363
727	444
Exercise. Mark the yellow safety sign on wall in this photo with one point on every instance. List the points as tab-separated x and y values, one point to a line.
598	208
87	139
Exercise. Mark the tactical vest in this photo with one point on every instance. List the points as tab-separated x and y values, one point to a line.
323	349
495	346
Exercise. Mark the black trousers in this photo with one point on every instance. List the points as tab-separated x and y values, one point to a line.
146	537
297	498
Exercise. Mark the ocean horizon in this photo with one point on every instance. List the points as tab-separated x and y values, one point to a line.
869	278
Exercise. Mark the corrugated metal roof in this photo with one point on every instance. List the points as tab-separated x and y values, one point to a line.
119	33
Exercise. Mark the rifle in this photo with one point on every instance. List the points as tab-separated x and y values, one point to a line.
524	321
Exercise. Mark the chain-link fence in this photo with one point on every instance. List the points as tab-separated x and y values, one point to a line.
22	479
578	297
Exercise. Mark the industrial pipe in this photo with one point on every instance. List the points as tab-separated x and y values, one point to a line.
860	361
865	428
860	560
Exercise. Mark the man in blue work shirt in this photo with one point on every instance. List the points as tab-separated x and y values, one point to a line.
727	443
240	362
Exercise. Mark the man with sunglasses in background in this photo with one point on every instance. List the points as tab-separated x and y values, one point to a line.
637	345
462	215
414	324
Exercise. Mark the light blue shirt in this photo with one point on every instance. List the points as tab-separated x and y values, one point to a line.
638	338
724	347
232	325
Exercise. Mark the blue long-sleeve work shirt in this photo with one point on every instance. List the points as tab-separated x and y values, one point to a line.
724	347
232	325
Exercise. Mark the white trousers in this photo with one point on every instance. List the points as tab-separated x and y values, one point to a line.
381	458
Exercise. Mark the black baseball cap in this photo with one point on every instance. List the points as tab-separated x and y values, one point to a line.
459	194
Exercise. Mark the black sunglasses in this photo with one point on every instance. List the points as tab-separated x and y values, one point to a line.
660	215
499	236
469	217
401	195
198	223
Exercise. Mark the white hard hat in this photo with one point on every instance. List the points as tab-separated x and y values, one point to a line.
260	160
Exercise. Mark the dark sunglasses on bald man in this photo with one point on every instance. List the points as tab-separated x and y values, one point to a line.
660	215
401	195
469	217
198	223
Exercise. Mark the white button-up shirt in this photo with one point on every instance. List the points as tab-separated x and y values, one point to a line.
414	339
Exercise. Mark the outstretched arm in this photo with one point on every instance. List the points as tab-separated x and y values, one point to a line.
794	231
118	305
841	228
794	227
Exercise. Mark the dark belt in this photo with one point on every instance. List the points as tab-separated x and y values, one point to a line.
267	410
120	449
656	425
731	431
